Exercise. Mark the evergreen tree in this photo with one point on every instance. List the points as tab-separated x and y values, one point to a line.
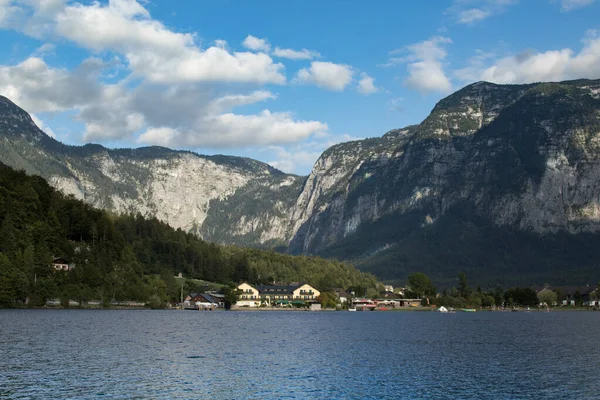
463	286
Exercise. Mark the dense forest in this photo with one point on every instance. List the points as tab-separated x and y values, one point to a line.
126	257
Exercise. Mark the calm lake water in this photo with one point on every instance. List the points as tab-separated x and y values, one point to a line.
80	354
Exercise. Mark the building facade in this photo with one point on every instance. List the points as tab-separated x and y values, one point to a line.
271	295
249	296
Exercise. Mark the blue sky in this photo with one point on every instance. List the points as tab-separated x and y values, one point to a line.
279	81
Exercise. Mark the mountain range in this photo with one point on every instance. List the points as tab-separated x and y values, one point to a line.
501	182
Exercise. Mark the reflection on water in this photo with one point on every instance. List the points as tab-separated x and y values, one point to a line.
75	354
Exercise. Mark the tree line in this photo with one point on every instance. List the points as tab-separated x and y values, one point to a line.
464	295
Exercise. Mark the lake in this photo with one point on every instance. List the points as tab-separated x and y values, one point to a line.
143	354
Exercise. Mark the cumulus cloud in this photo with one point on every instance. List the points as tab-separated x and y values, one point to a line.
179	116
300	158
471	15
471	11
256	44
176	93
475	65
45	49
326	75
231	101
568	5
152	50
39	88
531	66
291	54
296	160
232	130
366	84
424	64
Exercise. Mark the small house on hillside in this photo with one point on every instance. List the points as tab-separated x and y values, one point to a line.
62	264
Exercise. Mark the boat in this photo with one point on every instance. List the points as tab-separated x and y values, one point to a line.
469	310
352	309
443	309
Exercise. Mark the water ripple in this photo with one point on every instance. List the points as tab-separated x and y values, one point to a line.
75	354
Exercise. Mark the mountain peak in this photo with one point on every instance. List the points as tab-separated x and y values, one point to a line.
16	121
469	109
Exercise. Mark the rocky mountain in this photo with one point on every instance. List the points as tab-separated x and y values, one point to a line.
499	181
517	164
174	186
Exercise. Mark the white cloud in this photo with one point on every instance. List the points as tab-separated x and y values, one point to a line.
568	5
152	50
45	49
326	75
181	116
35	86
232	130
177	93
229	102
474	67
295	160
256	44
547	66
161	136
472	11
425	65
396	104
303	54
366	85
472	15
220	43
530	66
300	158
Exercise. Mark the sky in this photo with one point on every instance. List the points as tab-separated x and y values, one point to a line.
278	81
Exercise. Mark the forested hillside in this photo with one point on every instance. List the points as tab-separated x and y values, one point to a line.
124	257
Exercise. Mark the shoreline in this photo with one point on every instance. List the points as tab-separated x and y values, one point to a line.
259	309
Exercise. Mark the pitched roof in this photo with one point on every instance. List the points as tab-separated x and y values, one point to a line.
276	289
572	289
279	289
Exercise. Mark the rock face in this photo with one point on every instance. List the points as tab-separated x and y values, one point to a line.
520	163
523	155
176	187
519	158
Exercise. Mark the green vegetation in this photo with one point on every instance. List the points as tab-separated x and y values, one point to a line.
463	296
397	245
125	257
548	297
420	285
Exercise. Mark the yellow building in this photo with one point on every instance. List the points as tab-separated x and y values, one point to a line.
271	295
306	292
249	296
